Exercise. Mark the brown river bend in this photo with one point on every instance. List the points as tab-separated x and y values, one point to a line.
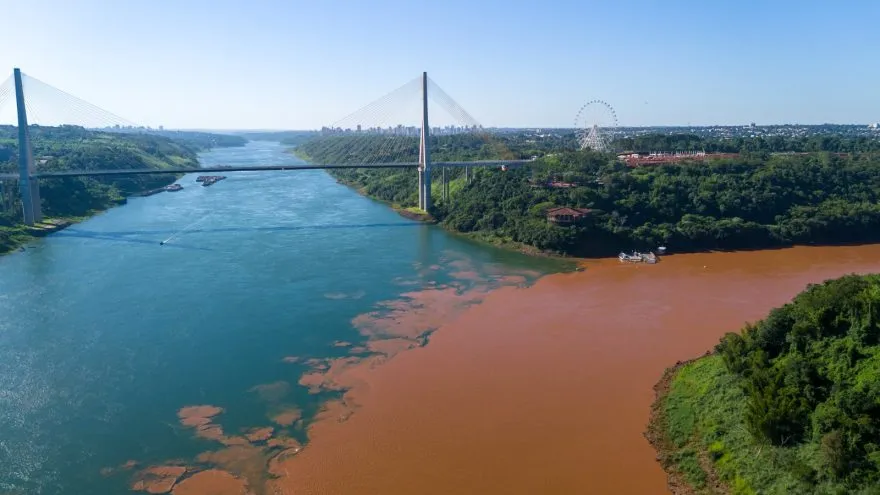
545	389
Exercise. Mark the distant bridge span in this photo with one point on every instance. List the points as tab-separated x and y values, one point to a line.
28	176
258	168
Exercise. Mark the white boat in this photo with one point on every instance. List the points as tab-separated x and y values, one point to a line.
637	257
629	258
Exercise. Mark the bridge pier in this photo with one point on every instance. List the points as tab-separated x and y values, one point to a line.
424	152
28	185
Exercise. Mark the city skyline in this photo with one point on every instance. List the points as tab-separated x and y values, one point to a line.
297	65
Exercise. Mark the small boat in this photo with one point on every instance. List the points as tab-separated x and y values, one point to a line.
173	187
637	257
628	258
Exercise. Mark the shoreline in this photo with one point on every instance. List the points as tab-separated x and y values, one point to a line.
489	238
477	237
402	422
407	406
427	218
656	434
411	214
22	235
26	235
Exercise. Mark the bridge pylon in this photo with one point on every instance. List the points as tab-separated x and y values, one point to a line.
424	152
29	185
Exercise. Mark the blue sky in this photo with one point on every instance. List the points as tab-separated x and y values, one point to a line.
297	64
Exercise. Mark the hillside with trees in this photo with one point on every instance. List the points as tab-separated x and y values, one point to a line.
75	148
756	200
770	144
200	141
789	405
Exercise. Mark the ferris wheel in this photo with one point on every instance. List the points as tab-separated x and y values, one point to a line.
594	124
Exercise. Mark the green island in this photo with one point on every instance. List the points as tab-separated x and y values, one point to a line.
774	192
789	405
69	199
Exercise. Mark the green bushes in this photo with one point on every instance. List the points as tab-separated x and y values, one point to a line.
810	377
734	204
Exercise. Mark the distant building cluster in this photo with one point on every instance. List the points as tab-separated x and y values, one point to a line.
753	131
400	130
118	127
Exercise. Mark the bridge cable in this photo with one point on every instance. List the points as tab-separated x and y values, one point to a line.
340	146
66	111
35	97
72	106
377	102
399	148
6	89
452	106
377	117
388	150
77	106
373	116
439	96
76	112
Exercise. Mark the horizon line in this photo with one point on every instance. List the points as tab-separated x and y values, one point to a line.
536	127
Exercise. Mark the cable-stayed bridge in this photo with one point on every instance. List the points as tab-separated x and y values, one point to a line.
373	137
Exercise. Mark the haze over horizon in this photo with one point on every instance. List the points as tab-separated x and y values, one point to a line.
300	65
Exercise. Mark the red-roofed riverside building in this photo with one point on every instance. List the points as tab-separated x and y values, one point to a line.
566	216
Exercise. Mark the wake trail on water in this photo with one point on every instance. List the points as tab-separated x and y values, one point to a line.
185	229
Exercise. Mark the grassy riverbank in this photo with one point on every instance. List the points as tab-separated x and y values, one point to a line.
791	405
693	399
12	238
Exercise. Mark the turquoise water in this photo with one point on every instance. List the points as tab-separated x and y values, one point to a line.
105	334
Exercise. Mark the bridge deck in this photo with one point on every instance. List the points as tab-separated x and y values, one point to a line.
258	168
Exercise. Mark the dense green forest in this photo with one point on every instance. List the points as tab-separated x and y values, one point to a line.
791	404
353	148
773	144
399	186
200	141
75	148
756	200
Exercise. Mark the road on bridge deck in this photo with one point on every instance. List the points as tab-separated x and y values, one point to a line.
260	168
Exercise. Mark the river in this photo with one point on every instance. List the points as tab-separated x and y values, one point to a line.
105	334
278	314
547	389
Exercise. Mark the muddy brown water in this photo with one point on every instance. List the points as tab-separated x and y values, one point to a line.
546	389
